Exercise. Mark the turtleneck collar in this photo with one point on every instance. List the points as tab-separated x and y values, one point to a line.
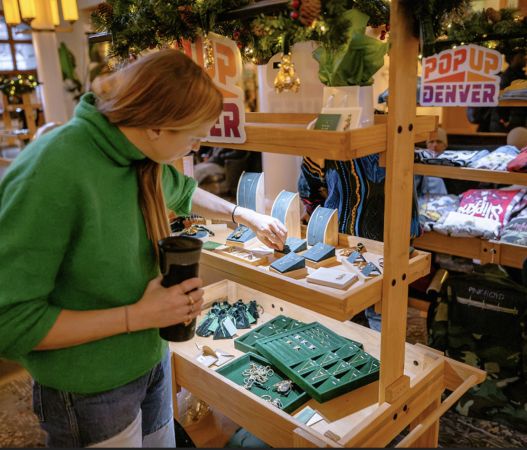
110	139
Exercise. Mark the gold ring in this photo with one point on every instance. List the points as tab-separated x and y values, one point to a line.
190	300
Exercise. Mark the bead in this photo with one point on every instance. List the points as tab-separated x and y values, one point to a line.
294	14
387	27
295	4
240	45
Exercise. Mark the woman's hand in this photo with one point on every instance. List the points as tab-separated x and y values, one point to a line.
268	230
161	307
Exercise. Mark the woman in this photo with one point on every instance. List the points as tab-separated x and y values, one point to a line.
81	212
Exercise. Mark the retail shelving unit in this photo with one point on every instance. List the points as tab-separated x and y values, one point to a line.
403	398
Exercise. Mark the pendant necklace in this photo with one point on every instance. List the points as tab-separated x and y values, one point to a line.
246	201
318	220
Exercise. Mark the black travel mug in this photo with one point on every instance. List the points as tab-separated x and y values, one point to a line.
179	261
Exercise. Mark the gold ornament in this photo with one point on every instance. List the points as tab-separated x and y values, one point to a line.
287	78
309	12
207	56
493	15
258	30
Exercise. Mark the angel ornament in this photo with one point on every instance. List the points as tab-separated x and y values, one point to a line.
287	78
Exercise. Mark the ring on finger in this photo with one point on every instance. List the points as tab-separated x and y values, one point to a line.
192	309
190	300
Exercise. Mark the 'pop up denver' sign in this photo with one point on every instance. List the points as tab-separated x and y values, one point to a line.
464	76
226	72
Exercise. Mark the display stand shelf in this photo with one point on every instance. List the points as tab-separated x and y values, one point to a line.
336	303
354	419
466	173
286	134
494	252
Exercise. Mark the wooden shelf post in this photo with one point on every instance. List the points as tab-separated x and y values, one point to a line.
398	190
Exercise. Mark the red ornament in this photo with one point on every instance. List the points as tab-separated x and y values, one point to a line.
152	47
295	4
383	37
387	27
240	45
294	14
236	35
159	33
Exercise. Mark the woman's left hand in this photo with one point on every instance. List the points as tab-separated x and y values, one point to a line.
268	230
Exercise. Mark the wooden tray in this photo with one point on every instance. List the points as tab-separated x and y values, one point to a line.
354	419
336	303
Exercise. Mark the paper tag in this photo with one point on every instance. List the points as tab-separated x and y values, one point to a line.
230	327
315	419
306	414
214	325
223	357
250	317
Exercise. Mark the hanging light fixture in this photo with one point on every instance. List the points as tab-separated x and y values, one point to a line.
28	9
12	16
69	11
54	12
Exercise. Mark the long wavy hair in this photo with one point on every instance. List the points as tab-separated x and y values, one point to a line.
163	89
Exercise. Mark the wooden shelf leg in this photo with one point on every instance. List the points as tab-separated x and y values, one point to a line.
175	388
430	437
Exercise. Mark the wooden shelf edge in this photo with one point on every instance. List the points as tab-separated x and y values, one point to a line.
466	173
474	248
263	135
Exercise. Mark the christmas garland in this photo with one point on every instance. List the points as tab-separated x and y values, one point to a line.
139	25
18	85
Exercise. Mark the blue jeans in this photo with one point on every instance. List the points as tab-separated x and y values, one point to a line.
374	319
82	420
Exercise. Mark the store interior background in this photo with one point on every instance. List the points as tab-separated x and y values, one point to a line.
281	171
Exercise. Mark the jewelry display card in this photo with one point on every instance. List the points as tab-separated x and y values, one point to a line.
290	262
332	278
292	245
348	120
319	252
358	264
239	372
319	228
320	361
280	324
242	237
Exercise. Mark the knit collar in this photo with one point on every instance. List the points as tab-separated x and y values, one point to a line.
109	138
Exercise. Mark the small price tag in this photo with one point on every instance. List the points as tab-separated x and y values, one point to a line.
214	325
230	327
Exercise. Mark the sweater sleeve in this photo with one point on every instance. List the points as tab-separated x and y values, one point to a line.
178	190
36	223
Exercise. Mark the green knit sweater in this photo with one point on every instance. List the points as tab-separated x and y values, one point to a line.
72	236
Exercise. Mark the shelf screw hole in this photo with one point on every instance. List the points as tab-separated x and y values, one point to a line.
485	250
416	363
405	407
404	276
411	127
281	309
272	305
395	417
400	129
393	282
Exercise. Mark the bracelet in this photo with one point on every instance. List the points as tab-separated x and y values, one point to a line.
233	213
126	317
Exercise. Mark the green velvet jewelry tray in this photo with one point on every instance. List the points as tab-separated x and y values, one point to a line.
234	369
277	325
325	365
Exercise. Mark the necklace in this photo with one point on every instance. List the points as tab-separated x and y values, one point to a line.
290	259
320	247
319	374
318	220
245	200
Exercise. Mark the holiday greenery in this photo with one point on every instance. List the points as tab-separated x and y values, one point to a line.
15	87
139	25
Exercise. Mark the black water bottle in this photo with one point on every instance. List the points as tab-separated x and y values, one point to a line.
179	261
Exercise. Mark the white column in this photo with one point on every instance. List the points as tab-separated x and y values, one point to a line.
48	65
282	171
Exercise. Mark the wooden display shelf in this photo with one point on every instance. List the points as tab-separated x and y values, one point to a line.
5	162
268	132
336	303
494	252
466	173
354	419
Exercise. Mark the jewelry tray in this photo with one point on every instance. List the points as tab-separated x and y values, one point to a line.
334	367
277	325
234	369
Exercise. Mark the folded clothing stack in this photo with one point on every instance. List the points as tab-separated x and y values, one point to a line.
497	160
519	164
